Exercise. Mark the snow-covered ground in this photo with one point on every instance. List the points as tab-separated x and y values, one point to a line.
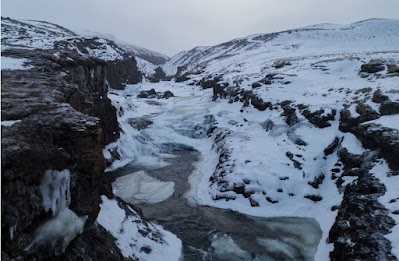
31	34
136	238
244	165
10	63
251	56
259	157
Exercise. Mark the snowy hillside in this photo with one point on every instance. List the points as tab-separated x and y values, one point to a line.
279	146
252	56
151	57
284	124
29	34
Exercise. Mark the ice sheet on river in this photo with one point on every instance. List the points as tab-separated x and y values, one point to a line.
139	187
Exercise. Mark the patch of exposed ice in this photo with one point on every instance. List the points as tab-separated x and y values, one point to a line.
55	190
139	187
226	249
9	123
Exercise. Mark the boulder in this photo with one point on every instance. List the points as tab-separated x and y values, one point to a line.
373	66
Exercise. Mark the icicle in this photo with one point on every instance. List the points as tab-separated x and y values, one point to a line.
55	190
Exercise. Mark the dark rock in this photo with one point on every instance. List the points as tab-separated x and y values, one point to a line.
290	114
296	163
330	149
147	94
182	78
240	189
139	123
317	119
210	83
256	85
366	112
284	103
158	76
378	97
237	94
317	181
372	67
389	108
271	200
66	119
259	104
167	94
253	202
122	72
267	125
393	68
361	223
314	198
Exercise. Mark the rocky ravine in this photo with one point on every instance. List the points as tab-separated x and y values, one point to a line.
298	123
56	118
326	97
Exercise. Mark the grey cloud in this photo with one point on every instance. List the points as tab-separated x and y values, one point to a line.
171	26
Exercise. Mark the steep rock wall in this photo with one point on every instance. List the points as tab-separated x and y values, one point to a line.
65	121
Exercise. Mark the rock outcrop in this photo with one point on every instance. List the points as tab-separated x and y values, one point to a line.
63	121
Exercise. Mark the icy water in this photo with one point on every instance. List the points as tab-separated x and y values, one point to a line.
216	234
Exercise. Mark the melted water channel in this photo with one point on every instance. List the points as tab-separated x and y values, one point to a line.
217	234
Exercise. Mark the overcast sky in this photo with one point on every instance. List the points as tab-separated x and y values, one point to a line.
171	26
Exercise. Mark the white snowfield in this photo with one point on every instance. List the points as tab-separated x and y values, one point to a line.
322	73
138	239
10	63
251	56
30	34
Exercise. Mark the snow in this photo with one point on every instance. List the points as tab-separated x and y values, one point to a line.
59	231
268	162
147	68
9	123
391	182
126	229
139	187
323	73
10	63
31	34
352	144
247	54
388	121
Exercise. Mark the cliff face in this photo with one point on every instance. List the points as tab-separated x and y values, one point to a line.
122	72
63	119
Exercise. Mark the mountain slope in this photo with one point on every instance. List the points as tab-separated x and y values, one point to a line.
252	55
30	34
300	127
